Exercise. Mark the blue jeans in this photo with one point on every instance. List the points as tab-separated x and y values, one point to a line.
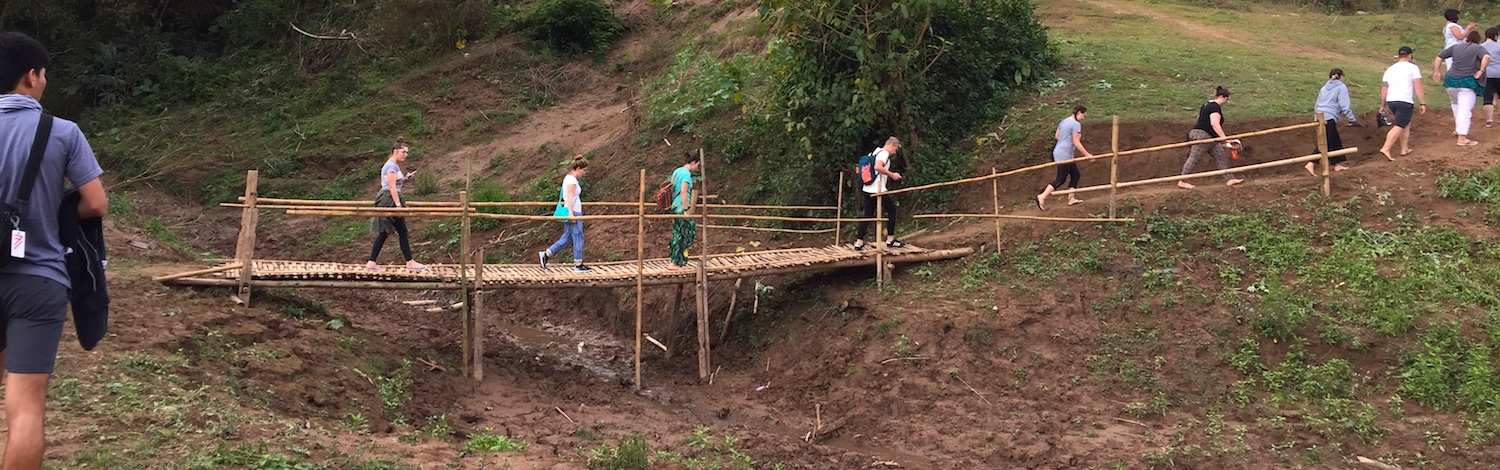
572	234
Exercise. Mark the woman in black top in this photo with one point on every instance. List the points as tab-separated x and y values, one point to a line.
1210	125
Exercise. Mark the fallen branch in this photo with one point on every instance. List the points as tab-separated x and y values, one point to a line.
1377	464
657	343
1138	423
345	35
565	414
432	364
906	358
971	389
419	302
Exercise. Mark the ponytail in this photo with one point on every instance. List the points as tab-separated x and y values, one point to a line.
1221	91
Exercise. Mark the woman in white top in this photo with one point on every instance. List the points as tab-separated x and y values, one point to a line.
1452	33
570	198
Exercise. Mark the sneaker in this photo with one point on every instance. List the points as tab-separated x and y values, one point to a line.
543	256
582	269
859	247
895	244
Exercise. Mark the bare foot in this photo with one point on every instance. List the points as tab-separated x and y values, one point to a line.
1185	185
414	266
1309	168
1074	201
1340	168
1041	202
371	266
1388	156
1233	181
1404	153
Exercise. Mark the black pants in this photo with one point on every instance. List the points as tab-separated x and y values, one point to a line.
1331	127
1064	172
401	234
890	214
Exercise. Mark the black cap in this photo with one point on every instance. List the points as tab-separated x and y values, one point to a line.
1403	51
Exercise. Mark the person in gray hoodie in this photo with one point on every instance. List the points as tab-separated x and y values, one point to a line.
34	282
1333	101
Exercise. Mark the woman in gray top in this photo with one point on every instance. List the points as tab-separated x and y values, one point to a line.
392	180
1491	74
1462	81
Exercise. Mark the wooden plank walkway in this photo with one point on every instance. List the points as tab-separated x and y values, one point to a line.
659	271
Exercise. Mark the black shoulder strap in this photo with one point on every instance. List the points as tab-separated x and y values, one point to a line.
34	162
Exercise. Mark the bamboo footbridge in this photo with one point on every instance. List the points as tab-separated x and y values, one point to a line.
471	275
659	271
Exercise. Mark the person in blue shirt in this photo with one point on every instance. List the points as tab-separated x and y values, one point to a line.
683	230
34	286
1069	137
1333	101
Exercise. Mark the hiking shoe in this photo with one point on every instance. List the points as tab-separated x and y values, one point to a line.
896	244
582	269
543	256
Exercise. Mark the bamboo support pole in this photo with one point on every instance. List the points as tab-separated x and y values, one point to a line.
1323	151
703	346
1114	163
997	217
245	249
466	318
477	313
879	241
200	272
1169	179
1098	157
640	274
996	185
838	207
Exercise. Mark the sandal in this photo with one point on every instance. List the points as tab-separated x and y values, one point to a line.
895	244
1469	143
1489	124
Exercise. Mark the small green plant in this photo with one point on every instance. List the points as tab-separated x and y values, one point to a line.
395	387
487	441
631	454
904	348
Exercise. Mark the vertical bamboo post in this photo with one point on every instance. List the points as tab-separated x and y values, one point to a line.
995	183
640	274
703	346
1114	163
245	249
467	317
477	312
879	237
1323	150
838	212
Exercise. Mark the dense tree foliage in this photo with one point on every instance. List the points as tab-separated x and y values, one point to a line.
850	72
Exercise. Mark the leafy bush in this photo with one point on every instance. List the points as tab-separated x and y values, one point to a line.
1449	371
695	87
631	454
573	26
486	440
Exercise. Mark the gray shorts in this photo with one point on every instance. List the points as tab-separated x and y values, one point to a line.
34	309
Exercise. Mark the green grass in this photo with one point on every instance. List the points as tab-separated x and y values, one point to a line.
1161	60
487	441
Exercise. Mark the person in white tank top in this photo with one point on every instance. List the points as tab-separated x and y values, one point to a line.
1453	33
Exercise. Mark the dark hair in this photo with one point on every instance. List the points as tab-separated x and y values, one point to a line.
1492	33
1450	14
1335	73
399	144
1221	91
1080	109
578	163
1474	37
692	157
19	55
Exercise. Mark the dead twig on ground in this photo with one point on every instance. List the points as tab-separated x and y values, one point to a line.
971	389
1376	463
344	35
367	378
565	414
1137	423
906	358
432	365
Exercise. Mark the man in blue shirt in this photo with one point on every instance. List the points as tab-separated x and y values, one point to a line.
34	286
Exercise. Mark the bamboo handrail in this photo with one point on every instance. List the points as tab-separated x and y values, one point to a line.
418	212
1096	157
274	203
768	229
1023	217
218	269
1169	179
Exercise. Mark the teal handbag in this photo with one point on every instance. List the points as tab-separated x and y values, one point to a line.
561	211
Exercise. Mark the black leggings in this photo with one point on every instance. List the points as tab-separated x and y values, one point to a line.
890	214
1064	172
401	234
1334	142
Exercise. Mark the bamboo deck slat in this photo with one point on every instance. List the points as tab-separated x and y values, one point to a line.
656	271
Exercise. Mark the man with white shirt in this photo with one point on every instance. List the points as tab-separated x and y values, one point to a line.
882	174
1402	83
